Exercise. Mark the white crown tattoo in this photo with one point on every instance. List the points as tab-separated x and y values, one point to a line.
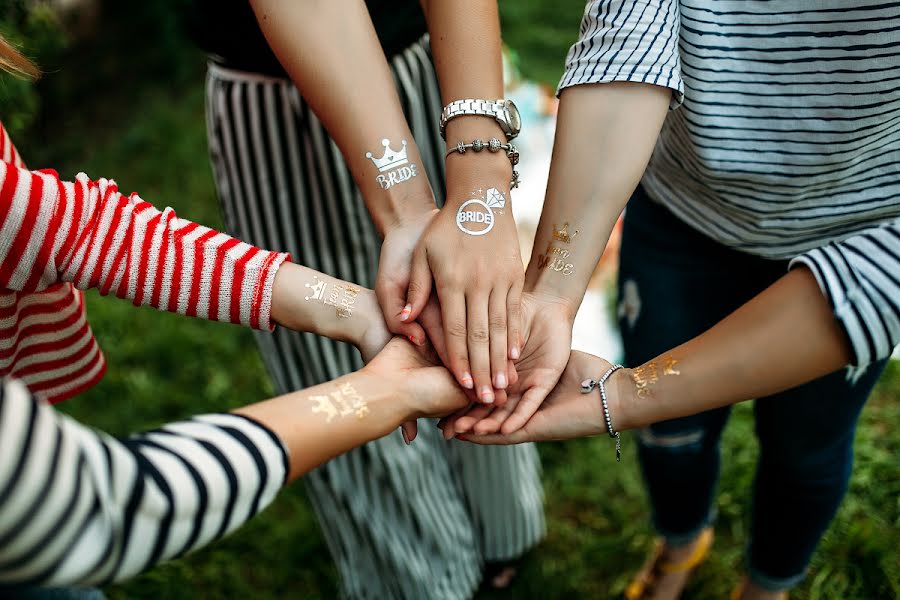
390	159
318	289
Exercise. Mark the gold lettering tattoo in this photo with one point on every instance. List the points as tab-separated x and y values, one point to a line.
554	257
342	402
646	376
342	296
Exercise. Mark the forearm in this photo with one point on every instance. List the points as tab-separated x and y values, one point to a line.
332	54
304	299
321	422
784	337
605	134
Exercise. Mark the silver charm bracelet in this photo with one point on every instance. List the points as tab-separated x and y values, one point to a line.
493	145
587	386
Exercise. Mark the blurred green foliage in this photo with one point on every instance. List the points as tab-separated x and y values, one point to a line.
36	23
133	110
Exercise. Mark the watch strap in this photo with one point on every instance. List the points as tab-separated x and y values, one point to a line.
473	106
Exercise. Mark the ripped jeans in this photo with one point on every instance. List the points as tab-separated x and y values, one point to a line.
675	283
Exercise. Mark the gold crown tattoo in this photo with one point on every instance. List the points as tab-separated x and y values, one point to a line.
391	158
324	406
318	289
563	234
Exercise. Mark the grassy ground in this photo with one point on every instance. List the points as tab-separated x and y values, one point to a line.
150	136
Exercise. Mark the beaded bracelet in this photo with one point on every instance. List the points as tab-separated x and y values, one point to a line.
492	145
587	387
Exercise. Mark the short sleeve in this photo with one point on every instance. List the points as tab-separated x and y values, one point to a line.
627	40
860	276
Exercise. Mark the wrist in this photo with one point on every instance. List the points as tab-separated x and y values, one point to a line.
402	205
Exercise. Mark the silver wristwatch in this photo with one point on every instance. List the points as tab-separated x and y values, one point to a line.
503	111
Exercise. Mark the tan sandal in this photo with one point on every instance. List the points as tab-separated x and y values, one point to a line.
641	587
739	591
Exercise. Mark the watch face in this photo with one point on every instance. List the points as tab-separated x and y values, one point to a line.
515	121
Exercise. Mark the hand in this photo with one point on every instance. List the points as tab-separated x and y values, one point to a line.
567	412
373	334
479	281
394	266
424	388
548	342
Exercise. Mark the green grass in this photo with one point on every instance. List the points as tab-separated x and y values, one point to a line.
150	136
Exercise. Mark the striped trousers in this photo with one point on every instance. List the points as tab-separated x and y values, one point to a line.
401	522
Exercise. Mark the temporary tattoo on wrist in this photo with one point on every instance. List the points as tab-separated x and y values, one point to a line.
393	165
646	376
554	258
343	402
342	296
476	216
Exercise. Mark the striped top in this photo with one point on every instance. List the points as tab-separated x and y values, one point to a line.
58	237
787	141
79	507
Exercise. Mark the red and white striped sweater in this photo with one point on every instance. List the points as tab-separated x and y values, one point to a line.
58	237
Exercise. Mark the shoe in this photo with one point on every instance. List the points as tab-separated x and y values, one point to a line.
641	587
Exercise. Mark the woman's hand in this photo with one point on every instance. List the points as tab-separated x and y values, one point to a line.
567	412
470	254
394	267
548	342
415	378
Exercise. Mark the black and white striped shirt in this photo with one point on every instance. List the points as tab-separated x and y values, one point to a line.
79	507
787	142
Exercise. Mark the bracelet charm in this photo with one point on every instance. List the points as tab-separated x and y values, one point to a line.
493	145
587	386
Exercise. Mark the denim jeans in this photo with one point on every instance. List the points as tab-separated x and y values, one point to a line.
34	593
675	283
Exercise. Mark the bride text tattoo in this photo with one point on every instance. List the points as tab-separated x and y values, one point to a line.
646	376
394	166
341	295
554	258
476	216
343	402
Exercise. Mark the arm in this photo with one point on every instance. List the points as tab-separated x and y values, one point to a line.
80	507
621	76
87	233
784	337
478	278
332	54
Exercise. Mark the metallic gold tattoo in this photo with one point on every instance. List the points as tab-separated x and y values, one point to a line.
393	165
343	402
476	216
553	258
342	296
647	374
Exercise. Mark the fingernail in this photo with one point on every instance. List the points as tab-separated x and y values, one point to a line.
413	340
500	381
514	353
404	314
405	437
487	394
466	381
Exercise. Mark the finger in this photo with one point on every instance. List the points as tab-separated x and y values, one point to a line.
495	421
495	439
392	298
419	289
497	345
512	373
430	320
466	422
478	337
527	406
409	430
514	320
453	312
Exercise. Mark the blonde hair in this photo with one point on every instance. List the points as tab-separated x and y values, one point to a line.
14	62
